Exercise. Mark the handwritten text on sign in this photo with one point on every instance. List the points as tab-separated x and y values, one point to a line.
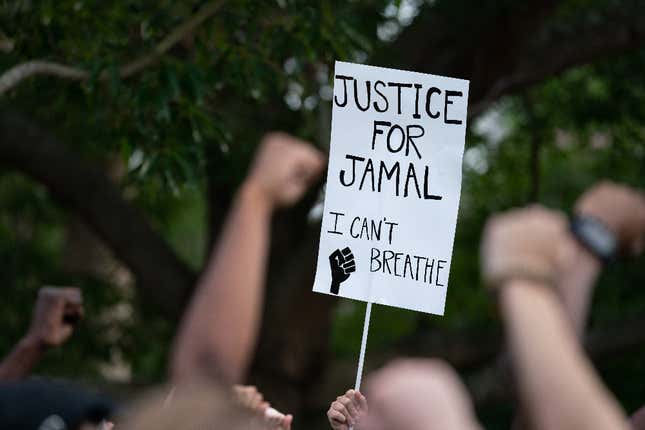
393	186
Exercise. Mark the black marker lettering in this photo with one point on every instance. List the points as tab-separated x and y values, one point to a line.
411	138
378	130
398	86
416	115
411	175
354	159
391	224
369	168
387	103
367	104
449	102
389	138
431	91
389	174
344	79
374	258
351	228
336	215
387	256
439	267
426	186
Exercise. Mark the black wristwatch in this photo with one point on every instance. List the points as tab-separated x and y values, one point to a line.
595	236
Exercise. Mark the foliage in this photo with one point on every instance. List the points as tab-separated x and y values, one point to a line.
196	117
157	128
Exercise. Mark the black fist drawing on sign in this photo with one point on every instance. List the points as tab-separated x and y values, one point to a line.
342	265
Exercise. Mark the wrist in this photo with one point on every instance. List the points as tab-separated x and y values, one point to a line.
519	289
575	257
253	193
33	343
580	269
537	270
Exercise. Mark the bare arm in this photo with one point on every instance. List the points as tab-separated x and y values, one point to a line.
576	284
558	386
24	356
219	331
225	312
55	314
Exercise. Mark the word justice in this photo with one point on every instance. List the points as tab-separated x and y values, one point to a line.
382	96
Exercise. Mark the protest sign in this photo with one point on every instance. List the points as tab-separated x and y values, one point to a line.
393	186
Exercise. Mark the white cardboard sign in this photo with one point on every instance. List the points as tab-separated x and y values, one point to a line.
393	186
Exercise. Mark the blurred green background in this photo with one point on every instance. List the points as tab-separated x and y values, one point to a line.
557	102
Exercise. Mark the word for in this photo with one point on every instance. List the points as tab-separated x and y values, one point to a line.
406	137
402	265
364	228
385	93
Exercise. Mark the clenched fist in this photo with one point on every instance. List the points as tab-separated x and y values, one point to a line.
523	243
284	168
621	209
56	313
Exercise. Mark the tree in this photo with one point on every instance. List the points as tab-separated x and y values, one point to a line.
169	90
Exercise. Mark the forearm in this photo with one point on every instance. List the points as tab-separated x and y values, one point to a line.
581	270
223	319
21	360
558	385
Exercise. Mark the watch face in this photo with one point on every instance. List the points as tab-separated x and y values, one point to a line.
597	236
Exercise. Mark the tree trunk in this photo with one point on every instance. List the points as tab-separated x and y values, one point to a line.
162	279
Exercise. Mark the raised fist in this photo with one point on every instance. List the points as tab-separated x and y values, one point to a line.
283	169
621	209
56	313
342	265
523	243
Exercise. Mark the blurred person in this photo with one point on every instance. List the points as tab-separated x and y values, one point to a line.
408	394
55	315
621	210
194	407
52	405
418	394
197	406
219	330
522	260
41	404
608	222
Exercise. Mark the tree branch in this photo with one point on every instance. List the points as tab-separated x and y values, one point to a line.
12	77
162	278
516	45
594	43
